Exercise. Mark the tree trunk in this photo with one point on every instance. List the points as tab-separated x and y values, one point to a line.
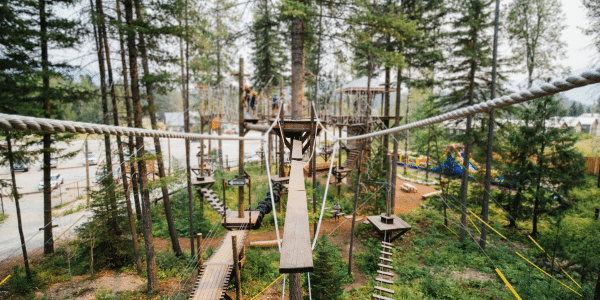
298	67
98	29
47	141
16	196
159	158
146	214
396	137
490	141
134	238
464	185
295	287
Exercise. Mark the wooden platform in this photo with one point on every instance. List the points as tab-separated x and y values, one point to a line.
207	182
296	252
276	178
233	222
214	276
399	226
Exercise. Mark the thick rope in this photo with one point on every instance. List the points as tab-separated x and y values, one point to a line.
16	122
559	85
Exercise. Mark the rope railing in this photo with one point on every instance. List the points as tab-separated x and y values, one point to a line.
556	86
22	123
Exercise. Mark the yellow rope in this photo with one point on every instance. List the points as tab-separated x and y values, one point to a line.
550	258
69	227
267	287
488	225
5	279
476	228
572	290
450	229
508	284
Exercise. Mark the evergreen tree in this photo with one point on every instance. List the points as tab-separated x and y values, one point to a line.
469	80
540	162
326	279
268	53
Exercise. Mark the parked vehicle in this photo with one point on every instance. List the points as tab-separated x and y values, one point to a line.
53	162
21	166
55	181
92	159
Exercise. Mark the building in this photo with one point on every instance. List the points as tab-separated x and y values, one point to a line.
174	120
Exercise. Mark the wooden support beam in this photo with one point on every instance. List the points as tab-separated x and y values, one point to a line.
296	252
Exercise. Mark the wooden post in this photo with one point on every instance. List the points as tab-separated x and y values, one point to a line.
224	204
241	142
295	287
360	157
236	268
249	202
199	242
281	142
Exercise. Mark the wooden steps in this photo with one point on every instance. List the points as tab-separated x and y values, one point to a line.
389	291
213	201
378	297
384	265
384	280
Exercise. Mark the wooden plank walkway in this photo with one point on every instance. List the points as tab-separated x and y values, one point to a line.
296	252
214	276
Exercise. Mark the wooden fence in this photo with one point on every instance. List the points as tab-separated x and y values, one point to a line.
593	165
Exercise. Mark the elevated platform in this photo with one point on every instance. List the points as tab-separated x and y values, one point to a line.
387	226
205	181
276	178
215	273
231	220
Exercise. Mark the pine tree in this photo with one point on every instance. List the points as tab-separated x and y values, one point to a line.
593	13
469	80
268	53
325	280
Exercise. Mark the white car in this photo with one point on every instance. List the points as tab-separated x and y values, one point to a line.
249	158
55	181
92	159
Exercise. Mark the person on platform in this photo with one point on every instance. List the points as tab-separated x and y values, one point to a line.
338	208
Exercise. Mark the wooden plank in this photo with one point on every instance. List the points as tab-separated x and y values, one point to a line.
272	243
385	266
378	297
385	259
386	243
428	195
297	150
296	177
385	253
384	280
378	288
296	252
385	273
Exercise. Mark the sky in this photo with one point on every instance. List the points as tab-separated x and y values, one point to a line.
580	51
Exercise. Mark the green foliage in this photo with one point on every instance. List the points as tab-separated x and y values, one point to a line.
20	284
180	209
3	217
330	271
260	269
366	261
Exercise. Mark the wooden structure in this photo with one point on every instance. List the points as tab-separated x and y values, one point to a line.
216	271
387	225
384	274
296	252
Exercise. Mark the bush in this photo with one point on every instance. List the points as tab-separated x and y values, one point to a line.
367	261
330	272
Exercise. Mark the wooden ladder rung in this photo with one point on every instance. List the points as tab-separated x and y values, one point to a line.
385	259
385	273
385	266
387	244
384	280
390	291
375	296
386	247
385	253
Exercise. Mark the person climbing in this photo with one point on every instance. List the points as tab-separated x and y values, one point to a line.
338	208
253	100
274	103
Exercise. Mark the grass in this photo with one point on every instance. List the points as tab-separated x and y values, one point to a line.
3	217
589	147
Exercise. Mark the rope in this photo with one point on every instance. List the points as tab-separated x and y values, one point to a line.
267	287
335	147
16	122
546	89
